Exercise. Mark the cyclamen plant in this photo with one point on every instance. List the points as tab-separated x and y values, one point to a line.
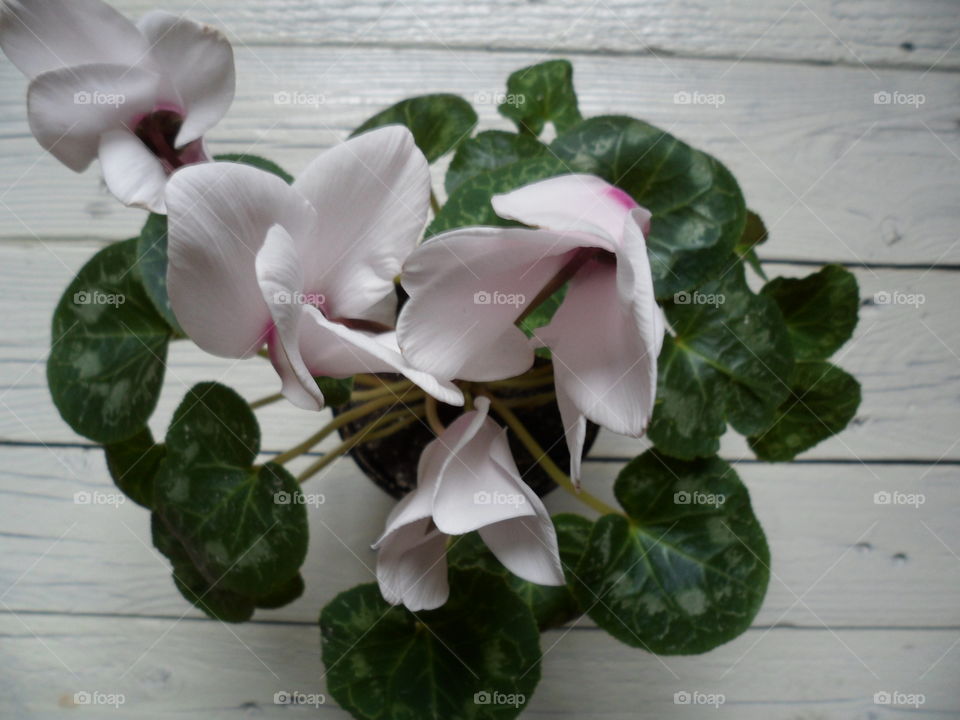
604	278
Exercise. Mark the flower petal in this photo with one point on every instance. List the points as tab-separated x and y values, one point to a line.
132	173
43	35
335	350
574	430
70	108
372	194
196	61
474	489
604	339
280	275
467	287
219	215
582	203
527	547
418	503
412	568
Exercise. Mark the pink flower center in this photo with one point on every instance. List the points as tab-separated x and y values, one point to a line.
158	131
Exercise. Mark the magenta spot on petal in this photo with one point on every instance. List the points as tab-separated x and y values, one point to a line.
621	198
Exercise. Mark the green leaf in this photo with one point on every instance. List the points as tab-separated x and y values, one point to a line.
688	570
386	663
730	361
284	595
336	391
152	265
539	94
242	526
823	400
551	606
542	315
215	601
133	464
490	150
438	122
820	310
754	233
698	209
257	162
109	348
470	202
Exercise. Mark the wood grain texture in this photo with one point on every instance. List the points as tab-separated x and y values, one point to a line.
911	406
835	175
838	558
862	33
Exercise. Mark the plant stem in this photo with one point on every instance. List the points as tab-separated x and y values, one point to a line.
522	382
433	418
531	401
545	461
366	434
434	205
384	389
341	420
262	402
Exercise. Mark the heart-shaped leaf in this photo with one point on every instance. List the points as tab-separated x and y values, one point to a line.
470	202
688	570
820	310
242	526
438	122
698	209
552	606
475	658
729	361
133	464
490	150
539	94
258	162
109	348
823	400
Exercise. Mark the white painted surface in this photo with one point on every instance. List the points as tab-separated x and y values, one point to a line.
866	598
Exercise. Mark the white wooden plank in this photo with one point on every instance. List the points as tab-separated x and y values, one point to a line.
203	669
907	359
854	32
834	174
839	558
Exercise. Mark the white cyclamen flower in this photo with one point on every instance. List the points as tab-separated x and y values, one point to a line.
467	480
139	97
307	269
